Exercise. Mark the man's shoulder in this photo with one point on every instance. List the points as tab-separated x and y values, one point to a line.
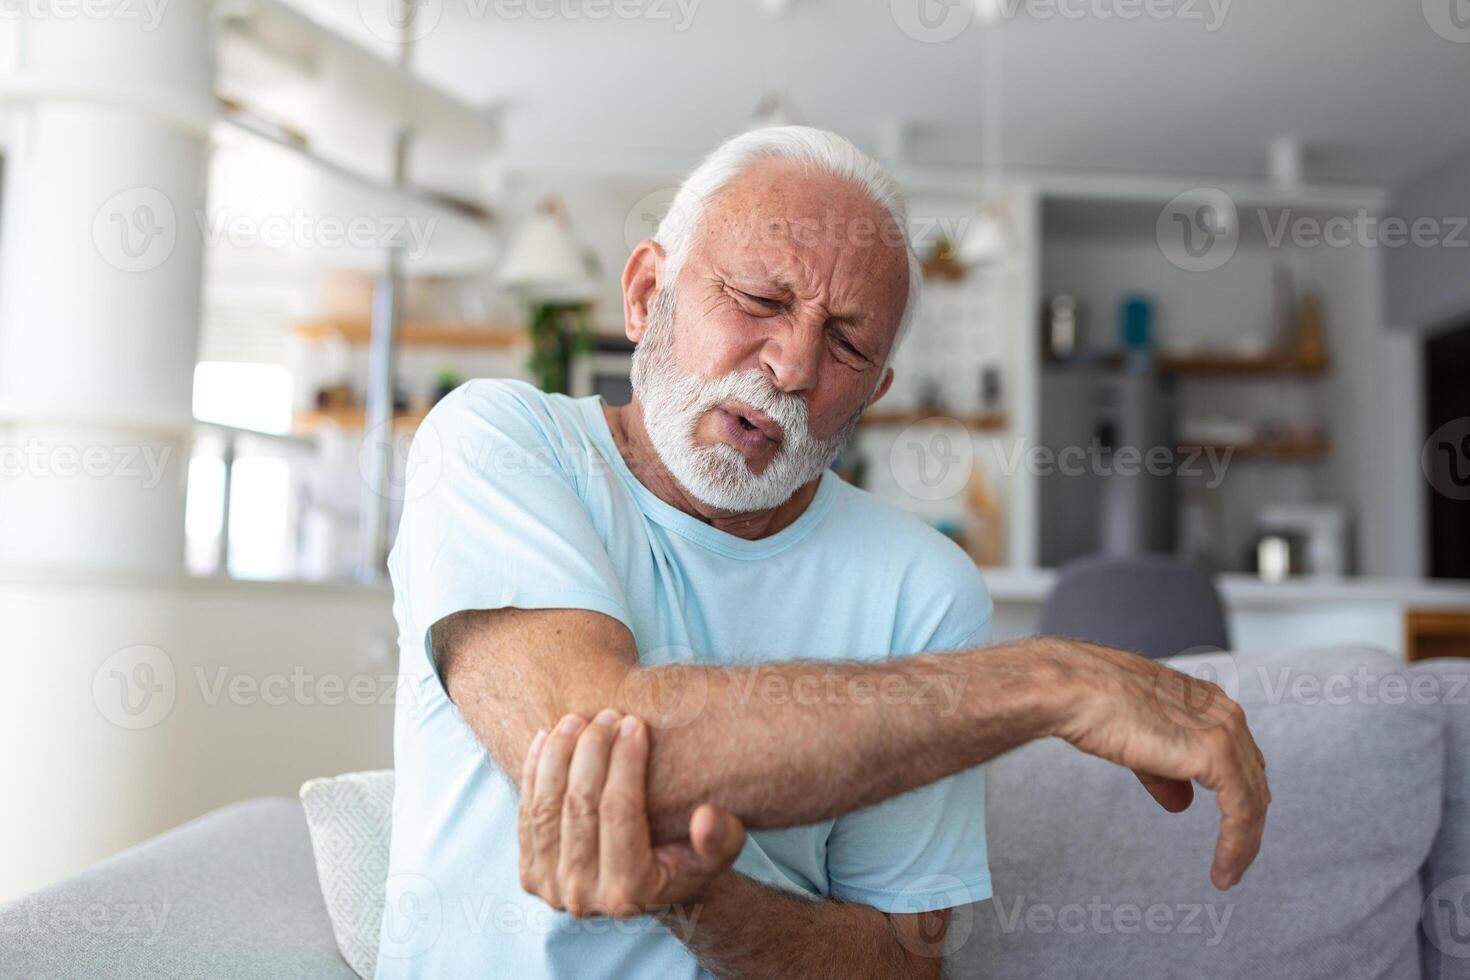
928	559
510	409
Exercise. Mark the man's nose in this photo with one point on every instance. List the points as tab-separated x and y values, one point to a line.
792	355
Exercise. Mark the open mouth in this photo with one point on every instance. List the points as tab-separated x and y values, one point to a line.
752	421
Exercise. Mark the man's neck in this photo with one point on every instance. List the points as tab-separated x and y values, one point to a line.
633	442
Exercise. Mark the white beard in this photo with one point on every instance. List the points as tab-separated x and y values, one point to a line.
718	475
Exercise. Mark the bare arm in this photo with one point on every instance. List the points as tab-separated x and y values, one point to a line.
586	848
800	742
745	929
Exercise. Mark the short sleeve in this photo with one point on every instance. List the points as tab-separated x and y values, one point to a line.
924	850
492	517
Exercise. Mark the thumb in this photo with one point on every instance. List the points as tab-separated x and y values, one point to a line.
687	868
717	836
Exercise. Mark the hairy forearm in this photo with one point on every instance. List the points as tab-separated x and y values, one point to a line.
744	930
779	744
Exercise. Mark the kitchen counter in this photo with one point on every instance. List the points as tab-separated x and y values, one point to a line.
1299	612
1246	591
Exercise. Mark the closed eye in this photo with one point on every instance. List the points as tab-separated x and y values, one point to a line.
764	302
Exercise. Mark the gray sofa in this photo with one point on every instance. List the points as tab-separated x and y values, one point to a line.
1364	872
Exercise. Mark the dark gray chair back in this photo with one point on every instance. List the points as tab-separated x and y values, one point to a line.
1152	604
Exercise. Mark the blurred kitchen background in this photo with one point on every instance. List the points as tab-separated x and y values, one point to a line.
1198	283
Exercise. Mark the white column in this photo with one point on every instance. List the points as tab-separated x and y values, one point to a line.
100	284
99	309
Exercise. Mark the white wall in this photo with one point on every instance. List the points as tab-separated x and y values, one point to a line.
273	685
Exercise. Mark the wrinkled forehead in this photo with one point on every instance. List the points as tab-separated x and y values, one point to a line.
786	219
797	228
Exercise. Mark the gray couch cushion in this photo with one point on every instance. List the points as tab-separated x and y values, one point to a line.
1092	878
1447	873
232	894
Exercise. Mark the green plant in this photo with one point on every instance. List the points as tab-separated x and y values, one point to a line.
558	332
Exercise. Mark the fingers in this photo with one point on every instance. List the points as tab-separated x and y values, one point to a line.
623	812
1238	777
1174	795
550	787
577	869
523	813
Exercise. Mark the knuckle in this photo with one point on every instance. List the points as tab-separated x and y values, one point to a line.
545	816
580	804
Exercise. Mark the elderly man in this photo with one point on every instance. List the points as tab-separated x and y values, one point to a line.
630	633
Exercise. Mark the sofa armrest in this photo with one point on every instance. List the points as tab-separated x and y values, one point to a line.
233	893
1446	875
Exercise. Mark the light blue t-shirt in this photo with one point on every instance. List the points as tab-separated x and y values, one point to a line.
521	499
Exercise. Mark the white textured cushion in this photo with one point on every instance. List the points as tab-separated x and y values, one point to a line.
350	818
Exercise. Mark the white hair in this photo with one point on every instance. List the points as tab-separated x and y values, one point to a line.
822	150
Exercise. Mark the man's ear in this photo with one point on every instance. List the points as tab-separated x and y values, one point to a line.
883	386
642	279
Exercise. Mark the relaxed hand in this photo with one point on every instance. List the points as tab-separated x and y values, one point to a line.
1170	728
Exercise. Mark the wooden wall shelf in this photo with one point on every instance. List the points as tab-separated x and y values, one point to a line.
414	333
351	419
984	421
1316	448
1217	365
